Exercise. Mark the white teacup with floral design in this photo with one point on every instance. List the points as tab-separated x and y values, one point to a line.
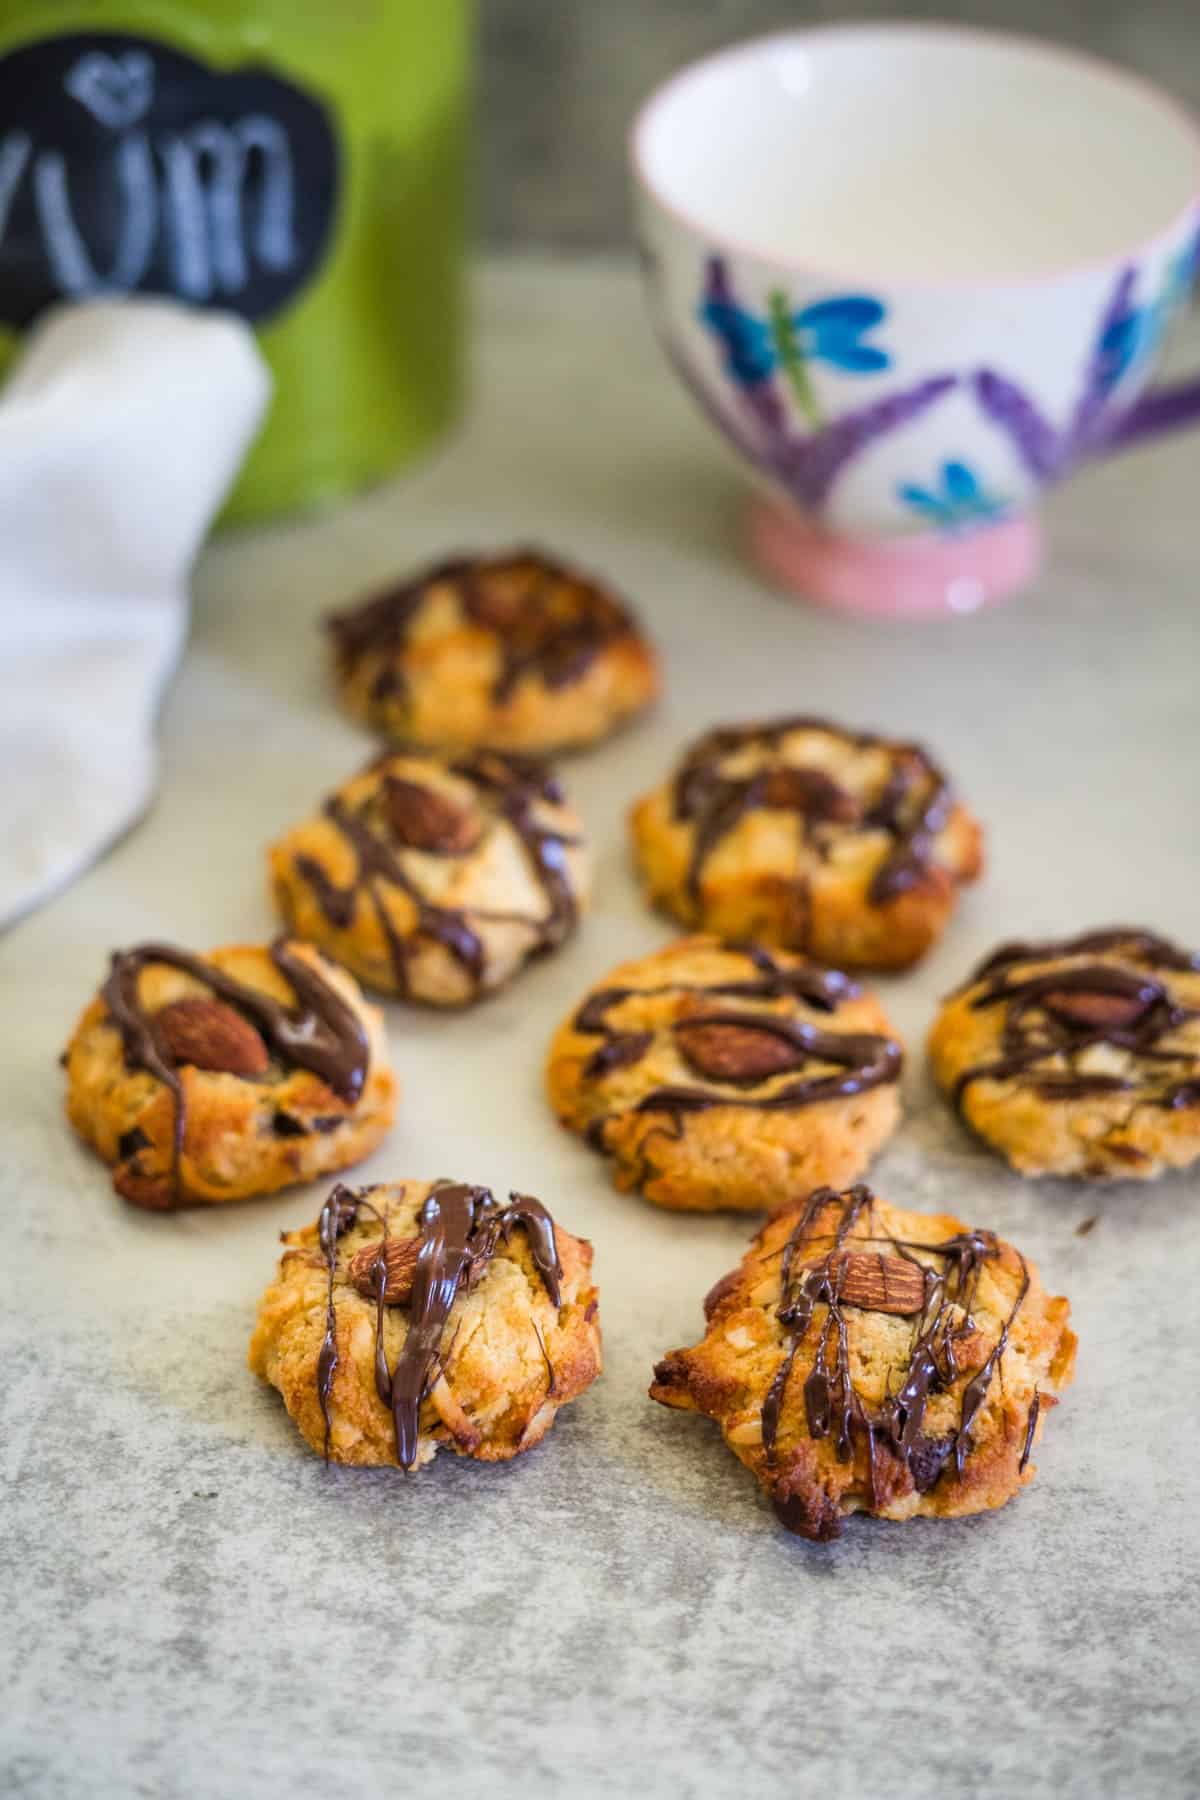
915	274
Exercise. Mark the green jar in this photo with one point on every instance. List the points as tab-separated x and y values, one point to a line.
297	161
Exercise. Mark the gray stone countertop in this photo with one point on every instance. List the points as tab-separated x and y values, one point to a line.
194	1606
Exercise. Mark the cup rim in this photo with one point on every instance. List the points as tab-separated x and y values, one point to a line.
944	29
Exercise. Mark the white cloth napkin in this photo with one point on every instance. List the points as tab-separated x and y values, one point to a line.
121	430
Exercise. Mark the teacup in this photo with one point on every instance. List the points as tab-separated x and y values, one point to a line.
915	274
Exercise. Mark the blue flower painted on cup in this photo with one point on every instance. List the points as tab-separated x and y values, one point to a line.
830	331
955	502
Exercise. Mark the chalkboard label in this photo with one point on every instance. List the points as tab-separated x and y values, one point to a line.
128	167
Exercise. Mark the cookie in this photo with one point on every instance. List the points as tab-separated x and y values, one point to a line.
509	652
436	879
422	1314
1080	1057
864	1359
205	1079
719	1076
797	832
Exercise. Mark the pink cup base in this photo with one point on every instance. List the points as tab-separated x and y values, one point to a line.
894	577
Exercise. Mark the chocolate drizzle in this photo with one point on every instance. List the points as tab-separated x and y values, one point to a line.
913	807
461	1228
862	1060
1143	946
833	1407
321	1032
550	622
512	787
1054	1014
1030	1429
515	785
338	1214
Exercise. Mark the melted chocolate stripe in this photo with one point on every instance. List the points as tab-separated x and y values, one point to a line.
795	1309
461	1229
854	1049
378	859
1029	1043
884	1067
1092	978
913	808
554	629
514	786
824	989
832	1406
338	1214
517	784
447	1218
1144	946
382	622
321	1033
869	1060
1030	1428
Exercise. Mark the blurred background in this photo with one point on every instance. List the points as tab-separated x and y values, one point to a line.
560	79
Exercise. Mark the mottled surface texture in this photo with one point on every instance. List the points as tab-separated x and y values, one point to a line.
193	1606
559	81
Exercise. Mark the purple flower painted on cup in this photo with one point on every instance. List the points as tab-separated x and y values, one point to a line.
1126	335
809	466
1136	331
955	502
